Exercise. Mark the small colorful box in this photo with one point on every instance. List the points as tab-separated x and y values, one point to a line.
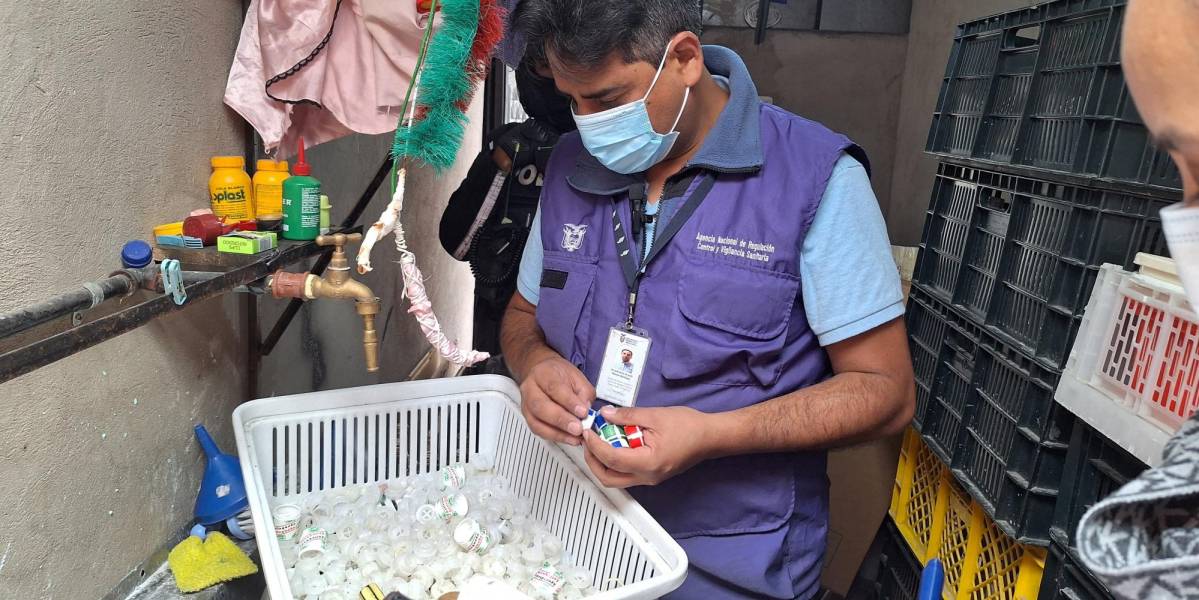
619	436
634	436
247	242
588	422
610	432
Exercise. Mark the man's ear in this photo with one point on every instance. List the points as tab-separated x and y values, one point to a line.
688	52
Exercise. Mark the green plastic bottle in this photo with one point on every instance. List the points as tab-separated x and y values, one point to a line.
301	202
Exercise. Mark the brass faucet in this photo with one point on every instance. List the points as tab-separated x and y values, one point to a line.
336	284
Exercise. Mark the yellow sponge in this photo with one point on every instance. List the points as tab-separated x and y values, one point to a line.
198	564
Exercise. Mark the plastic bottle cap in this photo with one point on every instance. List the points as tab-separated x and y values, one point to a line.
302	169
267	165
281	166
235	162
136	254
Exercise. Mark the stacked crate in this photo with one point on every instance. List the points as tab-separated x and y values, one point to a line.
932	516
1046	174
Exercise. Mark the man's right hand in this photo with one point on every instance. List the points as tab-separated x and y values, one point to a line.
554	394
554	397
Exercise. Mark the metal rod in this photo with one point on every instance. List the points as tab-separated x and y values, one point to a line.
493	98
253	346
351	219
43	352
88	296
763	17
253	335
318	268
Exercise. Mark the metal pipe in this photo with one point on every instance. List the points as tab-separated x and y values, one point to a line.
367	309
337	285
89	296
763	21
17	362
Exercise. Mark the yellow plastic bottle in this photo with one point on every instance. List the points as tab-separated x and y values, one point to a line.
268	187
230	189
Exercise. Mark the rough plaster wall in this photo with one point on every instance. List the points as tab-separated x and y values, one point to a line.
108	115
848	81
108	112
333	333
931	37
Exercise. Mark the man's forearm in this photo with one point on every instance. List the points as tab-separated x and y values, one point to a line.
521	339
847	409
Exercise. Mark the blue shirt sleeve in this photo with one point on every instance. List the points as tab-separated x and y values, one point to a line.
850	282
528	278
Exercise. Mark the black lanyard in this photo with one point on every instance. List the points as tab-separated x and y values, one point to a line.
634	269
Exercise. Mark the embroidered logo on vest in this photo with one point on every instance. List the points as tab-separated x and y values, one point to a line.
572	236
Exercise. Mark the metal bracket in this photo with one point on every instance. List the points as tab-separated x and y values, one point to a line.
257	288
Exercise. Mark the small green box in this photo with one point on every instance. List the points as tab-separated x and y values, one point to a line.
247	242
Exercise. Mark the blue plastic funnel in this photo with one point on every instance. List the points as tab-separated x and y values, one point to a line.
223	492
931	581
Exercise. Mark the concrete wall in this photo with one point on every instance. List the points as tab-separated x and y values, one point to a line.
929	42
108	114
848	81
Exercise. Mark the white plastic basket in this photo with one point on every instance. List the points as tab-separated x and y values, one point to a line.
294	445
1139	346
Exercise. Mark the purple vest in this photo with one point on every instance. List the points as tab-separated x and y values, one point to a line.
723	306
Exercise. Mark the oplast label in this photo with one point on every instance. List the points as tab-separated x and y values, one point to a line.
232	202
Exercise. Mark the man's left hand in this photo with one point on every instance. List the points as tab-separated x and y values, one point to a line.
674	442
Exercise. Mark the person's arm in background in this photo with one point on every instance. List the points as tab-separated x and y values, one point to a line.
853	302
464	204
554	394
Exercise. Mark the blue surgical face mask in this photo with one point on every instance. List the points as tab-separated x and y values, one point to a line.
623	138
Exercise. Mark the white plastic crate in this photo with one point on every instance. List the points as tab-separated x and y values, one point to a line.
1139	346
294	445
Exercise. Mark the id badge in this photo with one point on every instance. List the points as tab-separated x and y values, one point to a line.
624	362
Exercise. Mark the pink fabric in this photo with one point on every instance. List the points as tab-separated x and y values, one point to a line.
422	309
358	79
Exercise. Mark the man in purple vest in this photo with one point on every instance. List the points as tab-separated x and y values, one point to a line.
742	246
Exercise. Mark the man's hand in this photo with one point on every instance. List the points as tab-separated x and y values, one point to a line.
502	160
674	442
554	397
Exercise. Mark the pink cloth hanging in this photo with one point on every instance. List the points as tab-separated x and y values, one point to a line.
349	62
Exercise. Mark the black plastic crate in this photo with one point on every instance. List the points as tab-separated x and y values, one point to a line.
1018	392
1031	251
926	322
1058	237
1025	515
964	231
1012	457
943	242
1095	468
1065	579
899	571
953	389
1042	88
